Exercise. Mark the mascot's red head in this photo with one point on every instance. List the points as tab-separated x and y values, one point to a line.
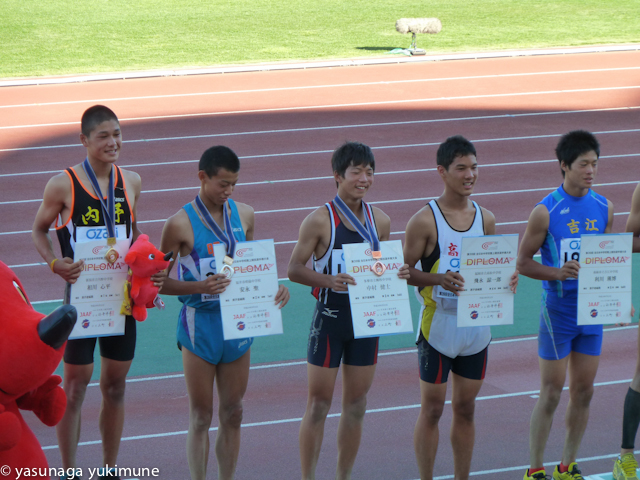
31	347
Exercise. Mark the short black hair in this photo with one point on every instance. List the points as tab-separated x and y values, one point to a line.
574	144
452	148
94	116
352	153
217	157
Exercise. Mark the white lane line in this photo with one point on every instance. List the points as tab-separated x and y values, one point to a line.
332	127
333	415
386	202
316	87
345	105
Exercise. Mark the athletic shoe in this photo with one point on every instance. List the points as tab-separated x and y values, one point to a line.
541	475
572	474
625	468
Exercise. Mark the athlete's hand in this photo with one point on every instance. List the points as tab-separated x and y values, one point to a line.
217	283
158	279
513	282
569	270
282	297
404	272
452	281
340	281
67	269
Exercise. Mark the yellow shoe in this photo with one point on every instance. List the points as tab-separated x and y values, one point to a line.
572	474
541	475
625	468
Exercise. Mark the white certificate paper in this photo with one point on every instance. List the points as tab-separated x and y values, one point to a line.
379	304
487	264
248	304
604	280
99	291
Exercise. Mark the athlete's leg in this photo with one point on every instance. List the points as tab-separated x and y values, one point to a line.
582	373
113	374
552	377
231	384
426	433
199	376
356	382
631	416
76	379
463	402
321	384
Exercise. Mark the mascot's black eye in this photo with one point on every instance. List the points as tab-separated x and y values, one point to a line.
24	297
151	256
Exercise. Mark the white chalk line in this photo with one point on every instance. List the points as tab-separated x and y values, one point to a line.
317	87
342	105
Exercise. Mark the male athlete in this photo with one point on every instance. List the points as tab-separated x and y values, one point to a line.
205	355
331	339
73	204
625	467
433	238
565	214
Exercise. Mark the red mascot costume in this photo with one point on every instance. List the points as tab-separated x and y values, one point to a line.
31	347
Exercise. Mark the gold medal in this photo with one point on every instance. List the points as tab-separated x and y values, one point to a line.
112	255
227	269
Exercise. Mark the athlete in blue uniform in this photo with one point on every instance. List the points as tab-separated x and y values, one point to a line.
554	228
70	201
331	339
205	355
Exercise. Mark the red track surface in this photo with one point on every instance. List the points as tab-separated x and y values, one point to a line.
284	126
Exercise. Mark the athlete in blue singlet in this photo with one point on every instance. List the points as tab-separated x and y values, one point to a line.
206	356
331	338
554	228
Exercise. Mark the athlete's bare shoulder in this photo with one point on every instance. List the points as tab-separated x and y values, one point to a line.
423	219
488	221
244	209
132	180
178	229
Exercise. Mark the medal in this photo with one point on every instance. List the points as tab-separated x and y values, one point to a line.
225	236
368	233
108	210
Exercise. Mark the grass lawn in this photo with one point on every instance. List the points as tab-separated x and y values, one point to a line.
63	36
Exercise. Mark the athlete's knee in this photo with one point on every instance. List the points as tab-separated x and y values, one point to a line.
318	408
231	415
200	418
581	394
355	407
75	390
113	390
432	411
464	409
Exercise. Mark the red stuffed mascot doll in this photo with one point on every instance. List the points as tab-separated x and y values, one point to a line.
144	260
31	347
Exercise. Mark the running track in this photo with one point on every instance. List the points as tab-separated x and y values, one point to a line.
284	126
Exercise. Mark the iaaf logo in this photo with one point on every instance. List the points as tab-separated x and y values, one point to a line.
243	251
489	245
606	244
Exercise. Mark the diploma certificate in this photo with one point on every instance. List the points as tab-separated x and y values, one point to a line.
487	264
248	304
379	303
99	291
604	280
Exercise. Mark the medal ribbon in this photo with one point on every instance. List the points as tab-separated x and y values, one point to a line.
369	232
108	209
226	237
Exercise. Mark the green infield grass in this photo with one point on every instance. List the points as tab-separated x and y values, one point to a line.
63	37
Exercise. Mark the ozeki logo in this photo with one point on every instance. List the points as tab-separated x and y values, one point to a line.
489	245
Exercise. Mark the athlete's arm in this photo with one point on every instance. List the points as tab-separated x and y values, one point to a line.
489	224
532	240
633	222
177	237
420	240
311	240
56	196
610	218
133	185
247	217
